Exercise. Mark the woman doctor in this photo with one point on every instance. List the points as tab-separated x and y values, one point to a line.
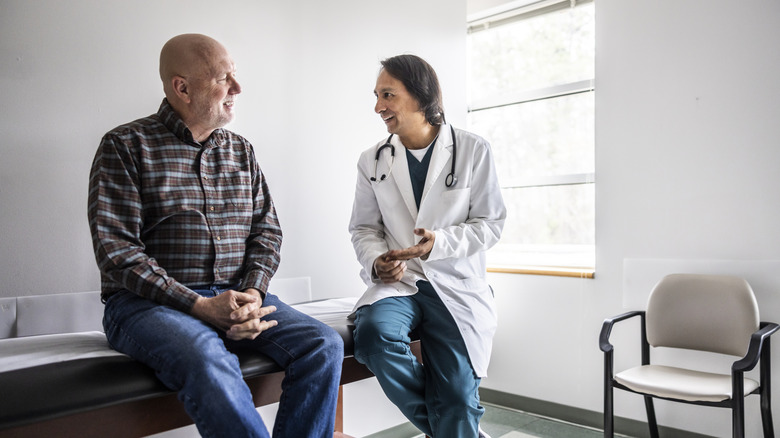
427	207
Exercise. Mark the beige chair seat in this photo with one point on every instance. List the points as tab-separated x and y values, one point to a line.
680	384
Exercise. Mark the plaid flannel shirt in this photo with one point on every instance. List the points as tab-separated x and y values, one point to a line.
168	213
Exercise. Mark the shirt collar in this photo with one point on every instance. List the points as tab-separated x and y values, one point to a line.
176	125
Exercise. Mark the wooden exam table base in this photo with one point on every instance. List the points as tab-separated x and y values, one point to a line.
154	415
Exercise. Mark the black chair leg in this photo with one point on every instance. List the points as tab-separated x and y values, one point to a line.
766	415
766	419
766	390
738	417
609	420
651	422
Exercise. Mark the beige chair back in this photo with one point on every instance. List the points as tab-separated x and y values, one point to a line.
713	313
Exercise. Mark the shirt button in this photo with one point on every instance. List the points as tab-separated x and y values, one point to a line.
211	208
219	238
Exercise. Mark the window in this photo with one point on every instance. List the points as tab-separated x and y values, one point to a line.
531	95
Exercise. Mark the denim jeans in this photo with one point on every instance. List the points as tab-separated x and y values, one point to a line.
195	359
441	397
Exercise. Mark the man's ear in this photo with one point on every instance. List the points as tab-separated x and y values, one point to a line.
181	88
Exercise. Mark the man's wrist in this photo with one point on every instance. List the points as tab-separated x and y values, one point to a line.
255	291
374	272
197	307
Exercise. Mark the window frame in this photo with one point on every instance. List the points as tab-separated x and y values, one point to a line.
506	14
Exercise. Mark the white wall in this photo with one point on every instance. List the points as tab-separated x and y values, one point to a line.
484	8
686	151
72	70
687	162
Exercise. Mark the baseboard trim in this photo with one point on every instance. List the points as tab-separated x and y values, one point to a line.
584	417
405	430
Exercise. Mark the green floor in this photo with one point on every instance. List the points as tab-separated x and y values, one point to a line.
501	422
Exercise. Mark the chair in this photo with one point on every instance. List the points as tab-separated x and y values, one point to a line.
710	313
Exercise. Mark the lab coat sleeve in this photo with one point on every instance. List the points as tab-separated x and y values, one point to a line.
486	212
365	225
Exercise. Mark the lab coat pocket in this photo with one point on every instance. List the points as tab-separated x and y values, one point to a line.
456	203
471	303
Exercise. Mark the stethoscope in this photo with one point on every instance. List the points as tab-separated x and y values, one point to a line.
449	181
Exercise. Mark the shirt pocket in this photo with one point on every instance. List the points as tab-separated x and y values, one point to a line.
235	189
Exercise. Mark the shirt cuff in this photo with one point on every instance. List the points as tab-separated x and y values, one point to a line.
258	280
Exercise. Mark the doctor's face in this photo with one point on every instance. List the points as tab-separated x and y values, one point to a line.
398	108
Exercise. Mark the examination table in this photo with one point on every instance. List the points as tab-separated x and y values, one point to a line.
73	385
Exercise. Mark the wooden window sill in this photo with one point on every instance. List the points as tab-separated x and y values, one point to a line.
556	271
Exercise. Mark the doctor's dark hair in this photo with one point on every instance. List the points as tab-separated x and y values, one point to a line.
421	81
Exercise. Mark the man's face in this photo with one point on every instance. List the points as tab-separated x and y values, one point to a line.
397	107
213	92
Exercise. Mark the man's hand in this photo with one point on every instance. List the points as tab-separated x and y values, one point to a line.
390	266
421	250
389	270
239	314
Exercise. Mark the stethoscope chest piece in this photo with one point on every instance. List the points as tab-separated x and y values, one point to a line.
450	180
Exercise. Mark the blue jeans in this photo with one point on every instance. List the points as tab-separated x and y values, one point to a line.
194	359
441	397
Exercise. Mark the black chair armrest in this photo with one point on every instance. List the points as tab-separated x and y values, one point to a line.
606	328
755	347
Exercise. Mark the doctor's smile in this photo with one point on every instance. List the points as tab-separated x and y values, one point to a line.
402	113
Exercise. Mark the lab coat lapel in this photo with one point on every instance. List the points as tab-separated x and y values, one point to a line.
402	179
442	150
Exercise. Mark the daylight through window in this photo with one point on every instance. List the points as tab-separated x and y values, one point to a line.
531	95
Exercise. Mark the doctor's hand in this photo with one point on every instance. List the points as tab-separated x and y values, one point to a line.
421	250
239	314
389	270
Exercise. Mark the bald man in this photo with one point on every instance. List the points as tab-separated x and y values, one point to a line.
186	238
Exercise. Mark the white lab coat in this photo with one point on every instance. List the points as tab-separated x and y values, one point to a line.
467	219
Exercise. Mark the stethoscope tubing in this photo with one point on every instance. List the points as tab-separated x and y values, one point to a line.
449	181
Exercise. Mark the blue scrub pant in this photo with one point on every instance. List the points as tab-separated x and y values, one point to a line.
194	359
441	397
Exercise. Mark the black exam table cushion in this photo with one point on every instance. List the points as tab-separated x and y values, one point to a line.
48	391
